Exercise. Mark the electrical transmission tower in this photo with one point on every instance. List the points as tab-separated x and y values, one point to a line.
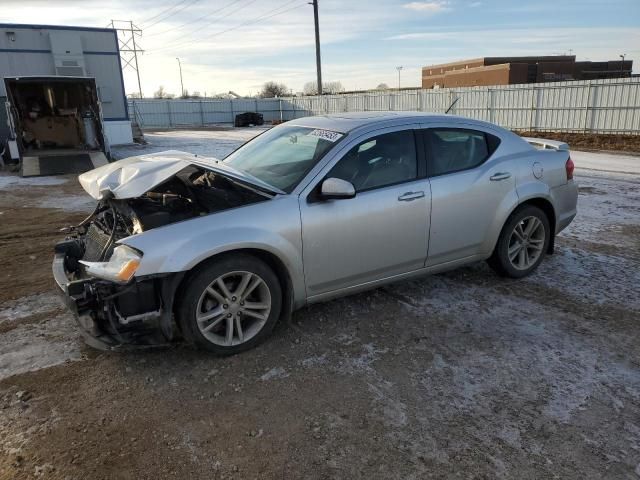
127	32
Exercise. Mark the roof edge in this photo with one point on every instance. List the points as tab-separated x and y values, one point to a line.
28	26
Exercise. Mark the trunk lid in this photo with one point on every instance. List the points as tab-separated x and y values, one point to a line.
544	144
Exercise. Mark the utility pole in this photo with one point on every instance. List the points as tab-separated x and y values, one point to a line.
622	65
181	84
318	62
128	47
399	70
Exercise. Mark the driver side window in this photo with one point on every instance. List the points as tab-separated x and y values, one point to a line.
380	161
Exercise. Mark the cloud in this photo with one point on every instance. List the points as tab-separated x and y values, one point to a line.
430	8
281	48
476	4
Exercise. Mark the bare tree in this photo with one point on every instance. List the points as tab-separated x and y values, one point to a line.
382	86
311	88
332	87
162	93
273	89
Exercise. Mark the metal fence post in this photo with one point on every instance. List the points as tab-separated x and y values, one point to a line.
201	114
586	110
280	105
233	119
169	110
534	103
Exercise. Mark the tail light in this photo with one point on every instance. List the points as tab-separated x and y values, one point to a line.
569	167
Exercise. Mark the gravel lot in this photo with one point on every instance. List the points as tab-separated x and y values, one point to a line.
461	375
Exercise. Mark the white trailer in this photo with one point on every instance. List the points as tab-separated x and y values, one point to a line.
55	124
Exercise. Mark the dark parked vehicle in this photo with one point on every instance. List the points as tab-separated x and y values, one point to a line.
249	118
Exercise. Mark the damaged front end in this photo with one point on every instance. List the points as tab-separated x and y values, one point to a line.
113	316
94	267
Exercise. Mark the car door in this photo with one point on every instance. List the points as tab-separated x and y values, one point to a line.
383	230
471	186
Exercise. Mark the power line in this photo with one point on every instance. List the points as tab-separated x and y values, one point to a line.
256	20
243	24
164	11
199	19
188	4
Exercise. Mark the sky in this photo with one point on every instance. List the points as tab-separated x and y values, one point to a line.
240	44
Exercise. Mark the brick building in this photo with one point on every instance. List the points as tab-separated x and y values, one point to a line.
512	70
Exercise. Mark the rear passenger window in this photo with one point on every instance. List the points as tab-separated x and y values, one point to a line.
454	149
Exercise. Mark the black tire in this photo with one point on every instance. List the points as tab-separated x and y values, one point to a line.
189	304
500	261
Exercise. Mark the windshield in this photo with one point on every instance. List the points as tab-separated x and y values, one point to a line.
283	155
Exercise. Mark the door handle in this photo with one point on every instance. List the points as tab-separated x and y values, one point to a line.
496	177
409	196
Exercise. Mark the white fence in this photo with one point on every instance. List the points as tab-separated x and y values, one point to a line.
598	106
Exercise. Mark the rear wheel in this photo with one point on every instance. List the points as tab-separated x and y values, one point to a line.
522	243
230	305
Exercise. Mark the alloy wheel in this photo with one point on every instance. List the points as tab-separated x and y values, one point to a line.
526	243
233	308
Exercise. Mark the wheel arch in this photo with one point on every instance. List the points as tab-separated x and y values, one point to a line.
546	206
272	260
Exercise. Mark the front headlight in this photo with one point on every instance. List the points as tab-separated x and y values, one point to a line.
120	268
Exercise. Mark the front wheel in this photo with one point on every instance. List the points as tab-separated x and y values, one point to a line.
522	243
231	304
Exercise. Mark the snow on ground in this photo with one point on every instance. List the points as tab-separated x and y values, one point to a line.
39	345
606	205
606	162
36	344
13	180
41	192
209	143
27	306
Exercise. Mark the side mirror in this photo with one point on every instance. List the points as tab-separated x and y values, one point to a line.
336	188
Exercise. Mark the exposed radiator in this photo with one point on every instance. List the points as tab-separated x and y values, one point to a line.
94	243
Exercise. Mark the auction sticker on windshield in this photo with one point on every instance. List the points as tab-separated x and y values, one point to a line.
325	134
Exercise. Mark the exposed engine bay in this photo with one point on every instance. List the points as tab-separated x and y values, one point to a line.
192	192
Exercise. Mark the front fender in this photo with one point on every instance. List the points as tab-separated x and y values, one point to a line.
272	226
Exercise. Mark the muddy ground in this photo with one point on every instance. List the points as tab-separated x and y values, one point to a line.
593	141
459	375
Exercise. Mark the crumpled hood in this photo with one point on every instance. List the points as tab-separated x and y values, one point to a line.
134	176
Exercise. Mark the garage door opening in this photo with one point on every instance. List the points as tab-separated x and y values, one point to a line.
57	124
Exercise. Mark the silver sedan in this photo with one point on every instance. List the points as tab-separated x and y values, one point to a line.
215	252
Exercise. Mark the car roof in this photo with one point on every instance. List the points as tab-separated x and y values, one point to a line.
347	122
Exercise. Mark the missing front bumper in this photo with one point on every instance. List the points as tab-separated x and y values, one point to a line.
120	317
